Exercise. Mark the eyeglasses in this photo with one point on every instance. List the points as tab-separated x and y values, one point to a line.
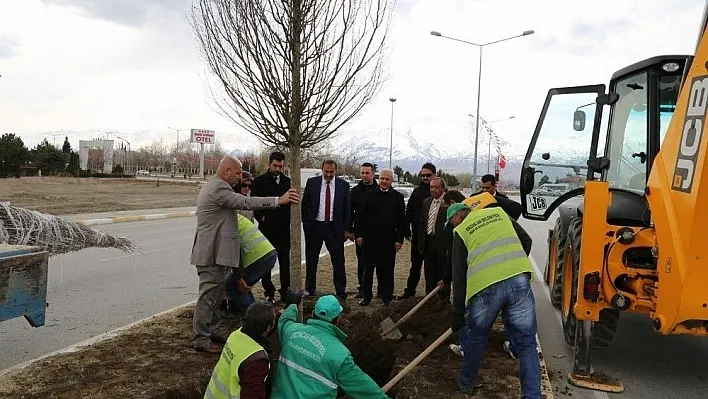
426	174
247	185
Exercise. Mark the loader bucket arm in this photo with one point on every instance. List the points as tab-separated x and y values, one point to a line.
677	192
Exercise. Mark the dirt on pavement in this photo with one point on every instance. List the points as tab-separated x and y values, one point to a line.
154	359
66	195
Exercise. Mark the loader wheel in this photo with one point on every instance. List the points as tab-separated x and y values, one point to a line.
603	331
554	266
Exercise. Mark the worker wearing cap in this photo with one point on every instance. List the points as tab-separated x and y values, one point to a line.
491	273
314	363
258	258
243	370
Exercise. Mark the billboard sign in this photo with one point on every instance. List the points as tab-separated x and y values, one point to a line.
202	136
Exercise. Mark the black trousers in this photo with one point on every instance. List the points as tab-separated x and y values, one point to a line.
360	267
317	234
433	259
382	260
416	264
281	242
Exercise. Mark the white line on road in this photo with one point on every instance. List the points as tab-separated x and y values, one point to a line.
539	276
141	253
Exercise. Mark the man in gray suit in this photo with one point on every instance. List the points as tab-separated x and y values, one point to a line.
216	246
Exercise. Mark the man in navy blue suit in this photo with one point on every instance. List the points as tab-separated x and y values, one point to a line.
325	216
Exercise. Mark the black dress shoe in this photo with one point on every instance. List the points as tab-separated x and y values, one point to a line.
404	296
365	302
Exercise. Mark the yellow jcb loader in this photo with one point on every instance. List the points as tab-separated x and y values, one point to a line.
622	242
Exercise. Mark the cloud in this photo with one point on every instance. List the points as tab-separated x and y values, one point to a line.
7	48
133	66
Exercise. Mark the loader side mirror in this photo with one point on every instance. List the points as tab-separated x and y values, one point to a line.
579	120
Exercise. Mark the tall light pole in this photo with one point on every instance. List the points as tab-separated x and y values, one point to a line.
390	149
176	130
489	150
479	91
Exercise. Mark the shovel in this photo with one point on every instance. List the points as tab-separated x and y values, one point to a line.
417	360
390	329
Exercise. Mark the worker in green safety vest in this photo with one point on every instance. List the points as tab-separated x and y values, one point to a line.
258	257
491	273
243	370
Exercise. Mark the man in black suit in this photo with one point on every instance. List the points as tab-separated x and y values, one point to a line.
431	240
325	218
275	223
489	185
366	184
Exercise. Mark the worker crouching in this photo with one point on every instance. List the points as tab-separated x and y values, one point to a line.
243	370
314	363
258	258
491	273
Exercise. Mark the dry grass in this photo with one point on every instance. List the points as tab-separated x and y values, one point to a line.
64	196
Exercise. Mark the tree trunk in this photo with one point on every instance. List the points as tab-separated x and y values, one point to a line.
295	222
295	131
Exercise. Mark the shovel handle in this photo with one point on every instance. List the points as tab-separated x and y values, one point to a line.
412	311
417	360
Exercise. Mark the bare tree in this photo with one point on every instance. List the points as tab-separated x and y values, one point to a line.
292	72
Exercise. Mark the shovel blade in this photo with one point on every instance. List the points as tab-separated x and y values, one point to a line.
386	325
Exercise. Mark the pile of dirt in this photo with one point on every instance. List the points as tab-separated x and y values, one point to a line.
436	376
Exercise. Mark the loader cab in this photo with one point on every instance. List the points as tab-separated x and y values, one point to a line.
572	141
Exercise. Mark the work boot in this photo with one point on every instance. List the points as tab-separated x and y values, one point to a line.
211	347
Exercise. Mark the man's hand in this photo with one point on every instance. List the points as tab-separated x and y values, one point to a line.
291	197
458	321
294	297
242	286
398	246
360	241
442	285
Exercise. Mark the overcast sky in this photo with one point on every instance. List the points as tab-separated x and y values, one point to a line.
132	66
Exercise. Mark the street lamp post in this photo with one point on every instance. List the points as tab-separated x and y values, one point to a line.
489	150
390	149
176	130
479	91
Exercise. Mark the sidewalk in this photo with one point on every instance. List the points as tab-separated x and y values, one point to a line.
92	219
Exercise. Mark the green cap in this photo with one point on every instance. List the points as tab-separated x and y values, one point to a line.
452	210
328	308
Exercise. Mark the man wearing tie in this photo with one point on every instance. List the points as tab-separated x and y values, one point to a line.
431	240
325	215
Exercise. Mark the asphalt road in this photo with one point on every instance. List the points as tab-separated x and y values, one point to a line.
648	364
98	290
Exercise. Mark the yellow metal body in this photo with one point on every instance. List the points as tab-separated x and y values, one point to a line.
675	294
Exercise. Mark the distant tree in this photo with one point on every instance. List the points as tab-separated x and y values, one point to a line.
73	167
13	150
407	177
48	158
398	171
544	180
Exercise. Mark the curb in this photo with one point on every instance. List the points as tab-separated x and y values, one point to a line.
546	386
135	218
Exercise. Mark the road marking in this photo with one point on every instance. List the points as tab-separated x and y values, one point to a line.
539	276
141	253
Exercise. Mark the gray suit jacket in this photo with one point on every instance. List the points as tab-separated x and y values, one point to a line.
216	240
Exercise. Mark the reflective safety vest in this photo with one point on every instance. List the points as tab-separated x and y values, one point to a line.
224	383
494	251
254	245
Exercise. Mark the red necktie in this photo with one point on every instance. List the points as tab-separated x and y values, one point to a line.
328	201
